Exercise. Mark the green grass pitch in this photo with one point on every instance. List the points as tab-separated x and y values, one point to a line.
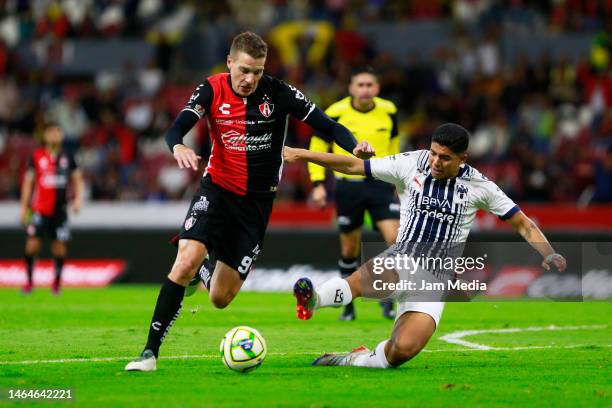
83	338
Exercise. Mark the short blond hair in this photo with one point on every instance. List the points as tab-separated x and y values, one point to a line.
249	43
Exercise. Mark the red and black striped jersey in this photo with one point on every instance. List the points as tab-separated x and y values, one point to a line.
51	178
247	133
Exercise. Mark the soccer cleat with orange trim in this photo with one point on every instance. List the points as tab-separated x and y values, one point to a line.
306	297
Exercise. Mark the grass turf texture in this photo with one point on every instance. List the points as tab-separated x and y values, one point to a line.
113	323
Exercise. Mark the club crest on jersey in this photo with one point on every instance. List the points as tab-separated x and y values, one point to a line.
266	109
189	223
462	191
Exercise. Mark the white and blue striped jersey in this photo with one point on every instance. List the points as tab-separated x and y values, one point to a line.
438	210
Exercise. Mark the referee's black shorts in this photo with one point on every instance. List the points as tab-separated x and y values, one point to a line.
231	226
355	196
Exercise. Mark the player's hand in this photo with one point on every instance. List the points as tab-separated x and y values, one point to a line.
364	150
186	157
76	206
319	196
290	154
24	216
554	259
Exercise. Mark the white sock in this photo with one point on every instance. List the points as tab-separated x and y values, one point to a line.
334	292
377	359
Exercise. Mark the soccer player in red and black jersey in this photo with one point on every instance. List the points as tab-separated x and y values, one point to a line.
247	112
44	191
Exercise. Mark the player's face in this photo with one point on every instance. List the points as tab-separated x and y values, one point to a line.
443	162
245	72
53	136
363	88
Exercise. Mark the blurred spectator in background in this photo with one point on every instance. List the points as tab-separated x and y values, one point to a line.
505	70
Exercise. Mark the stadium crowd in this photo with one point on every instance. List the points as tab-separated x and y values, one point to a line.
542	129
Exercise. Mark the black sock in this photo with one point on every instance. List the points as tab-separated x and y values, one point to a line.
167	309
29	260
58	264
347	266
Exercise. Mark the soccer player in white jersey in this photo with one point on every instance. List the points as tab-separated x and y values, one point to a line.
439	195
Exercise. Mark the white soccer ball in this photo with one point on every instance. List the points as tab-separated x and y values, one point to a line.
243	349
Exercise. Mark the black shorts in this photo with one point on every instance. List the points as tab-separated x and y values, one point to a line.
54	226
354	197
231	226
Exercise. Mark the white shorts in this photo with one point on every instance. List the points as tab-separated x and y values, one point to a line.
433	309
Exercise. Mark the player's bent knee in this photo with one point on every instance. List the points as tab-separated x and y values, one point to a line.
403	350
220	299
184	269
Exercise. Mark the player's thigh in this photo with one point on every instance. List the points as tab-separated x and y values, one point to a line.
350	205
189	256
388	229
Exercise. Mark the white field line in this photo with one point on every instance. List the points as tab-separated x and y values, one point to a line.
454	337
457	337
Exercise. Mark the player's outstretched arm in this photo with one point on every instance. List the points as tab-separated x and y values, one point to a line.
338	162
534	236
332	130
184	156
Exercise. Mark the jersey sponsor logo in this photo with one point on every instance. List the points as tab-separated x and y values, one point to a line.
236	141
224	108
434	213
266	109
53	180
436	202
201	205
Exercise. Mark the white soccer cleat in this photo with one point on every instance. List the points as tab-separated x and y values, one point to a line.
146	362
341	359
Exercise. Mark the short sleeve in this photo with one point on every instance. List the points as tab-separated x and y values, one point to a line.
200	100
393	169
498	203
294	101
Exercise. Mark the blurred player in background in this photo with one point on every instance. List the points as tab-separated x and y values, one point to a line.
248	116
440	195
45	192
373	119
